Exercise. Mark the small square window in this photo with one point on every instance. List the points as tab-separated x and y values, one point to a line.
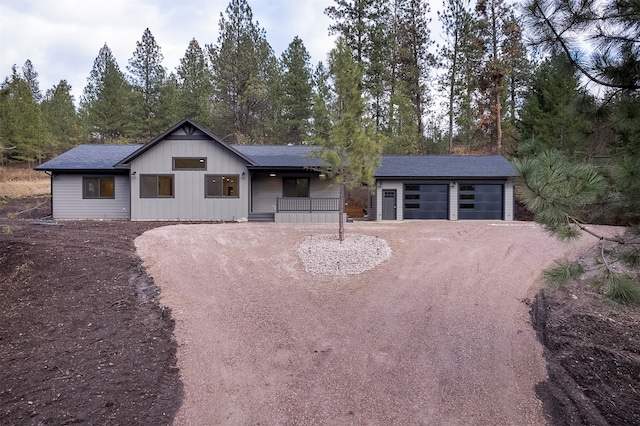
98	187
221	186
156	186
295	187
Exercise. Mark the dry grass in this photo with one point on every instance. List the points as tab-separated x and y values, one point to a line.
17	182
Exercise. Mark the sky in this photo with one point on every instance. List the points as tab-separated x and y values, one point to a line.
62	38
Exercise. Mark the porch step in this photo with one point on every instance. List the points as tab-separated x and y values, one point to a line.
262	217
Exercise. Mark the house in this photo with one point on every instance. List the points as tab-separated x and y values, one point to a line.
189	174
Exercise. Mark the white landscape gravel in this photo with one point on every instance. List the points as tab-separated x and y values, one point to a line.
327	255
435	330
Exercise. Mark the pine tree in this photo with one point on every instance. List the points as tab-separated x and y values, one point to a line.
22	132
518	67
351	151
297	88
404	132
147	76
195	84
321	121
459	55
492	15
365	28
105	100
60	117
414	60
243	66
31	77
548	119
169	107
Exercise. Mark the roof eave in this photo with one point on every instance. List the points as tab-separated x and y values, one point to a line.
442	177
83	170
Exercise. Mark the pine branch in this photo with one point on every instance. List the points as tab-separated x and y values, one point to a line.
558	38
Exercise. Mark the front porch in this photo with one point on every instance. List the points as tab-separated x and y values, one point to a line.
301	210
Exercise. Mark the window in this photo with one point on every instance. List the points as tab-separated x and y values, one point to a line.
221	186
467	197
156	186
412	196
411	206
187	163
412	187
295	187
98	187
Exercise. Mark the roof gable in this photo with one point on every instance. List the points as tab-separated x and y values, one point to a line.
185	129
89	157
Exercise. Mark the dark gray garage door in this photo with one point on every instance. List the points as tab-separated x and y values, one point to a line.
480	201
426	201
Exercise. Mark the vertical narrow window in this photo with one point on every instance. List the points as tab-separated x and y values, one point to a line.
156	186
98	187
295	187
221	186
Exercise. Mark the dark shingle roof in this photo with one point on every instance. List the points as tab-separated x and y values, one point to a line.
445	166
106	157
279	155
89	157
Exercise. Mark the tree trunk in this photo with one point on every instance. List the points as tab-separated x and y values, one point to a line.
498	122
341	214
497	79
452	84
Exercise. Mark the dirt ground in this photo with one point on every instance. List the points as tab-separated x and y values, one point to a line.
83	337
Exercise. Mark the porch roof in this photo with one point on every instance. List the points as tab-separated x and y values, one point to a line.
279	156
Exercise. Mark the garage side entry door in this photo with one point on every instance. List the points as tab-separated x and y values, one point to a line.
389	206
426	201
483	201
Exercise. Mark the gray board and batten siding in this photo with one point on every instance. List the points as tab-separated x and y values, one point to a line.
69	173
188	200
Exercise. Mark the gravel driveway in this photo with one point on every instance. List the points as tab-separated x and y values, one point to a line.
437	334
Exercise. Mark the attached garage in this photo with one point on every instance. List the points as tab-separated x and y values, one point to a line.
444	187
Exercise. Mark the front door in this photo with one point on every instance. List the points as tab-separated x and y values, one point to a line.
389	206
